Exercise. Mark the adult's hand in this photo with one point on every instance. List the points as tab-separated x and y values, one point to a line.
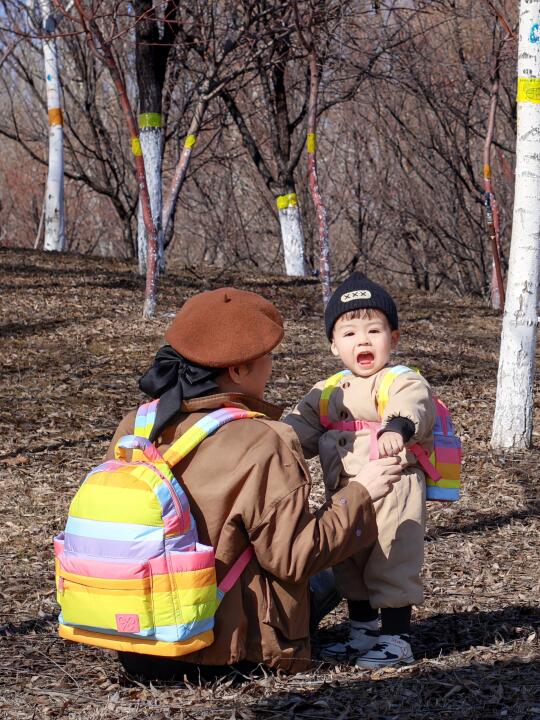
379	476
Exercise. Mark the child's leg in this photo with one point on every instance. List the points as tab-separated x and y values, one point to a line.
361	611
392	573
396	621
363	619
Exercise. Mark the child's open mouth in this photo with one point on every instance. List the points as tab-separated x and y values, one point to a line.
365	358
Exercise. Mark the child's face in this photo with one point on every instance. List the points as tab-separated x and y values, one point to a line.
364	344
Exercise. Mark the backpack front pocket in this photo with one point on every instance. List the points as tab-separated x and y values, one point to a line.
106	597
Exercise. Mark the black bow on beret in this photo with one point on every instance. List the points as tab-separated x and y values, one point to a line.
172	379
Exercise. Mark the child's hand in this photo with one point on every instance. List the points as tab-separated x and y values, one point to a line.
390	443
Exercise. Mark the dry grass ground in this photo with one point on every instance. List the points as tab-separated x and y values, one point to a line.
73	346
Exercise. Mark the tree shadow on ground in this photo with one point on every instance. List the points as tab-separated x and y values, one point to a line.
488	522
26	627
522	468
57	445
479	684
433	688
502	688
446	633
115	277
475	692
25	328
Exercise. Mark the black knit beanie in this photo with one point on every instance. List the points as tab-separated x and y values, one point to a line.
355	293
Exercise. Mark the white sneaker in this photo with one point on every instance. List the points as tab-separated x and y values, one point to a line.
362	637
389	650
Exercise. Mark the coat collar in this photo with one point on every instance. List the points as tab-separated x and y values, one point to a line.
239	400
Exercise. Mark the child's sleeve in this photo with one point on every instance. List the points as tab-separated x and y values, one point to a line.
410	409
305	421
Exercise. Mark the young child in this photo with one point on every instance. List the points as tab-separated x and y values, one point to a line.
362	324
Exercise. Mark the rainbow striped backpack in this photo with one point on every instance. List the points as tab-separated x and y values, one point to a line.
130	572
442	467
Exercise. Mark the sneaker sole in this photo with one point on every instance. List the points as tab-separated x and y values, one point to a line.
345	649
378	664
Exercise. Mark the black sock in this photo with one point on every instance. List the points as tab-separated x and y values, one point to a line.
361	611
396	621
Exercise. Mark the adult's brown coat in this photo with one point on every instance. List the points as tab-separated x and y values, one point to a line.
248	483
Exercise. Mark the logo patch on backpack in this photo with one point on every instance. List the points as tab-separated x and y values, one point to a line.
128	623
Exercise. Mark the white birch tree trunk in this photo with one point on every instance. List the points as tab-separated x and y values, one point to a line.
292	234
152	145
54	196
512	423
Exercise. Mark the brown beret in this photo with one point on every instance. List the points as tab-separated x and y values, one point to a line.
225	327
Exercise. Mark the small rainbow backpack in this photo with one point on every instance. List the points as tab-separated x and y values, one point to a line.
442	467
130	572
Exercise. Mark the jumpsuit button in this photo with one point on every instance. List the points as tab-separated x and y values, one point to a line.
346	385
342	442
358	532
343	501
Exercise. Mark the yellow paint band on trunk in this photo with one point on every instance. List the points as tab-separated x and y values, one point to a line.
56	116
136	148
285	201
190	141
487	171
311	142
150	120
528	90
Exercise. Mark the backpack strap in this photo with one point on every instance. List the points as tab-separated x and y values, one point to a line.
144	422
384	386
202	429
424	461
234	573
346	425
329	386
382	400
185	444
443	416
146	417
382	393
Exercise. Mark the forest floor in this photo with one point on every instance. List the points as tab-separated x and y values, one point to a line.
73	346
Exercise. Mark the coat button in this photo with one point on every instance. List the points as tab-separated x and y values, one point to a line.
343	501
346	385
342	441
358	532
